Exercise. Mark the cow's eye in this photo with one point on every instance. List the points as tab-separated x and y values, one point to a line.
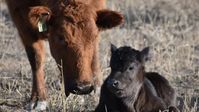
61	40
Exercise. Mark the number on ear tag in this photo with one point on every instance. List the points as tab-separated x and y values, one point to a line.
42	25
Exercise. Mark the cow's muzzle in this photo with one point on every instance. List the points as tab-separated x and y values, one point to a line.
80	88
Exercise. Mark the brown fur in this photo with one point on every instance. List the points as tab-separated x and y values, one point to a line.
73	35
130	89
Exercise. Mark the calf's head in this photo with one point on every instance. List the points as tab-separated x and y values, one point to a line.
73	34
127	70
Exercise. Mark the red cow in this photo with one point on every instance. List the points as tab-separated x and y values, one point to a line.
72	29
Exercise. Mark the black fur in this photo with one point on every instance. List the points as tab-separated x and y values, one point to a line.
129	88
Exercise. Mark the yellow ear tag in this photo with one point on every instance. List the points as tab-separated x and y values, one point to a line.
42	25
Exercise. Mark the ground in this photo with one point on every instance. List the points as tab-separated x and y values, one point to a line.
169	27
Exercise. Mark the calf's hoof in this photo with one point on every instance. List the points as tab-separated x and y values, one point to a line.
37	106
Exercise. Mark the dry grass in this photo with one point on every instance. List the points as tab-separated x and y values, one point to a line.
169	27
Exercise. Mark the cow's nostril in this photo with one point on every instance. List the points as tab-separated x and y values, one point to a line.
84	87
81	88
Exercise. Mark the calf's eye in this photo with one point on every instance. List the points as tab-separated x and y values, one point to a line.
131	68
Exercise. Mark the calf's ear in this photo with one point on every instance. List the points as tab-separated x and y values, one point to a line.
107	19
145	54
39	16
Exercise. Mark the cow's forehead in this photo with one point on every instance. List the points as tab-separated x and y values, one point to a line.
76	23
79	12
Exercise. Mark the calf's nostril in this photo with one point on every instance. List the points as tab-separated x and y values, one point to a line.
115	83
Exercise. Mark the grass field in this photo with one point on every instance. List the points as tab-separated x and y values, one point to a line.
169	27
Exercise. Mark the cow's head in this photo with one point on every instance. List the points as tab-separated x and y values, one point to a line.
73	34
127	70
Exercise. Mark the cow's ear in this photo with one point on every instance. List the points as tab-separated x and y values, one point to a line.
39	16
113	48
145	54
107	19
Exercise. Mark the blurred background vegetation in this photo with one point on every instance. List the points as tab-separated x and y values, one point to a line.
169	27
